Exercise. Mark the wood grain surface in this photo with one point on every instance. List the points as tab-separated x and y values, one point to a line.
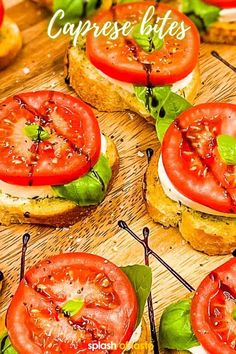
42	58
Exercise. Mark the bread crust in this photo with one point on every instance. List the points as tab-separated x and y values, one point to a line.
93	87
56	212
10	42
220	32
213	235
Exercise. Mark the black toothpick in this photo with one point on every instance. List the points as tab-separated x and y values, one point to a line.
124	226
220	58
25	240
150	302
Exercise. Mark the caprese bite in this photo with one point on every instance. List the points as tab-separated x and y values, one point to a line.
55	165
216	19
191	182
205	324
78	303
10	39
154	74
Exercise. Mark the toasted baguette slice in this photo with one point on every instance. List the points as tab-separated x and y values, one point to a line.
220	32
213	235
107	95
10	42
56	212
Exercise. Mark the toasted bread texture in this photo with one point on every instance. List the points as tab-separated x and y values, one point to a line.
213	235
57	212
220	32
10	42
108	95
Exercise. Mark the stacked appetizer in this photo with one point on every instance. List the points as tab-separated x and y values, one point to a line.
10	39
55	165
157	78
78	303
191	182
216	19
206	323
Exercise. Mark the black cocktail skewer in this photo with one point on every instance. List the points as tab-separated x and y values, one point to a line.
25	239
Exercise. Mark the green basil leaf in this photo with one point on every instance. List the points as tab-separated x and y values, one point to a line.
89	189
175	327
75	9
163	105
36	132
227	148
72	307
140	277
201	13
148	43
5	344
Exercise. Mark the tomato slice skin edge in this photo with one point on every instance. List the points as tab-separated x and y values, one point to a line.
67	155
200	308
224	4
116	65
189	135
18	318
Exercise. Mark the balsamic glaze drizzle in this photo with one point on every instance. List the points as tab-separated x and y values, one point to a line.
149	153
124	226
234	253
150	302
96	175
26	238
43	120
219	57
1	276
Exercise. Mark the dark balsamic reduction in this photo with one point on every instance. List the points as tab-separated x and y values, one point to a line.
26	238
149	153
67	65
234	253
1	276
84	9
96	175
219	57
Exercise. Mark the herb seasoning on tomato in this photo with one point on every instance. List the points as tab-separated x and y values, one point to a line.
125	60
69	301
47	138
194	162
213	310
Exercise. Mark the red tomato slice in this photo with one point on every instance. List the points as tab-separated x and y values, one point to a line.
1	12
37	324
71	151
124	60
212	310
191	158
224	4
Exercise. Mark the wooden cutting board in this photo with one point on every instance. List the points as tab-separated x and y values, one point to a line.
40	66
